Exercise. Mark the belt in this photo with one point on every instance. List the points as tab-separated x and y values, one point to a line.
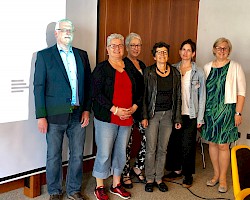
74	107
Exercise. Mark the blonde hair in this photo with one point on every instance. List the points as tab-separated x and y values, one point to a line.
221	40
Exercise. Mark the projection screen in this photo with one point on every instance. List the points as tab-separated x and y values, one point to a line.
27	27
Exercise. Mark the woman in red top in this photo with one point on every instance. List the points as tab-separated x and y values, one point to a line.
114	101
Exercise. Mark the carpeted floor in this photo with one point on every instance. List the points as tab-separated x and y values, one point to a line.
199	190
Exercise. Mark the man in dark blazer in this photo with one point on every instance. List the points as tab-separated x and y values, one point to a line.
62	101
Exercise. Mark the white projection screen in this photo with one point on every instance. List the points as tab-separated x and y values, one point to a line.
27	27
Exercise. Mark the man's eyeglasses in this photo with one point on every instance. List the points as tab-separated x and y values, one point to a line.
221	49
64	30
161	52
114	46
133	46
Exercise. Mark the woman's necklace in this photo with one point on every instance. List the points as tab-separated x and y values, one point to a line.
166	70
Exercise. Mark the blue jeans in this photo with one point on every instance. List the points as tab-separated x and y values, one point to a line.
54	137
111	141
157	135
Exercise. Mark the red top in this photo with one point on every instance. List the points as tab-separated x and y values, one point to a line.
122	97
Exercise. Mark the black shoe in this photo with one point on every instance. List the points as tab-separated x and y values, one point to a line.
187	181
162	187
124	179
149	187
172	176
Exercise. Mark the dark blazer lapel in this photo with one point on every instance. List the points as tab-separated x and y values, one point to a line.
80	71
59	60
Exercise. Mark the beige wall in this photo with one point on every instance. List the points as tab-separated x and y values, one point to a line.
230	19
83	13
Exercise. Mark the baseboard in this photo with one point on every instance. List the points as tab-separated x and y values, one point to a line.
6	187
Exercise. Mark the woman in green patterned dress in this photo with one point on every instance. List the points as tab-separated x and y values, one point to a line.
226	89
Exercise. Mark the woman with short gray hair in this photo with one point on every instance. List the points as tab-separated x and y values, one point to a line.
133	46
115	100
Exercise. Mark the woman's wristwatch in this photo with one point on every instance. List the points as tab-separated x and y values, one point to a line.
238	113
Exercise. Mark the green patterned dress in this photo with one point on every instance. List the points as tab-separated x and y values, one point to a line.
219	124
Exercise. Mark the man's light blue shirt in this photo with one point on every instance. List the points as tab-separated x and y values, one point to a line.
69	62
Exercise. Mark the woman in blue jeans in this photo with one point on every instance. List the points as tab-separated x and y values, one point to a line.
114	101
161	108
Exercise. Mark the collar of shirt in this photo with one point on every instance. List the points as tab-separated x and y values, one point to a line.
60	49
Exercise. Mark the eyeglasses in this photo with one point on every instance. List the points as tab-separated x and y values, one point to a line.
64	30
114	46
221	49
162	52
133	46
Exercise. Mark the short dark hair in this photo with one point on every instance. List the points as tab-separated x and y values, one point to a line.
159	45
191	43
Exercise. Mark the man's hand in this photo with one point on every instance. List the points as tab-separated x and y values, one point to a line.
85	119
42	125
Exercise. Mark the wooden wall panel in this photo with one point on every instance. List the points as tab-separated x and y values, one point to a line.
101	30
140	24
114	19
183	24
160	23
160	27
171	21
118	17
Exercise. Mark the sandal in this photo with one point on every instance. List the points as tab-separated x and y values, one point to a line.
140	176
125	179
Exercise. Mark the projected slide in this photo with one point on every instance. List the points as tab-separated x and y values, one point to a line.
24	24
27	26
25	29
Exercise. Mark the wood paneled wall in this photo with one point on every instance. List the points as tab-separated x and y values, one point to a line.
171	21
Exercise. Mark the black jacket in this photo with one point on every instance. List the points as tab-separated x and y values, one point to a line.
139	80
150	92
103	79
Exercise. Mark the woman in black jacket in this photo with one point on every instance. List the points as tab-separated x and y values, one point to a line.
161	108
114	102
133	44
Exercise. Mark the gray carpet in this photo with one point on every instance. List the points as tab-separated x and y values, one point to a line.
176	191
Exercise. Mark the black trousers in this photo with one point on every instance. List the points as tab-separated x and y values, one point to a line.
182	147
